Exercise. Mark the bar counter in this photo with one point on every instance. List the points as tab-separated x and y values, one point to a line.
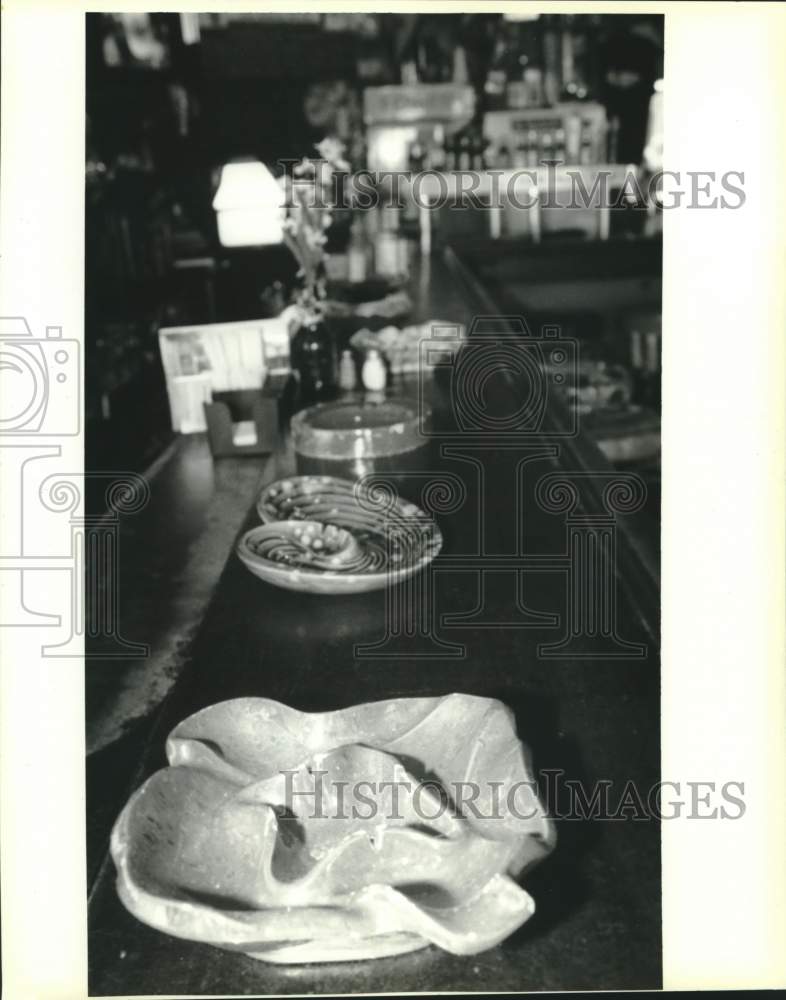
586	704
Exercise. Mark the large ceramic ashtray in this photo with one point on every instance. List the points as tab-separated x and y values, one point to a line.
359	435
328	535
324	837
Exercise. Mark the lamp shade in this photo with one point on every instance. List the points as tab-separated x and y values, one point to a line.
249	204
653	147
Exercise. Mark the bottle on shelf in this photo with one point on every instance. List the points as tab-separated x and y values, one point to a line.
409	74
437	152
531	145
500	65
460	71
478	145
575	57
451	153
357	253
573	138
370	225
417	155
559	145
566	49
517	95
386	253
390	218
546	146
402	255
551	59
533	83
612	138
464	152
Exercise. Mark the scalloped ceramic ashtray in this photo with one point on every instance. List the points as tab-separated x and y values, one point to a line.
331	536
321	837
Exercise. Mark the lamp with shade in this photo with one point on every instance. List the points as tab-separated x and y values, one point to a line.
249	205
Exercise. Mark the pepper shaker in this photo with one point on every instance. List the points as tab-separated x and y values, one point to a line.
347	375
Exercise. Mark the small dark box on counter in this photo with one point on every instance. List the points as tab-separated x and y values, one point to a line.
245	421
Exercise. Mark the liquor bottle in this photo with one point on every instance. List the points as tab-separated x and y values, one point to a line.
500	66
465	152
386	253
559	145
533	82
314	359
551	59
612	139
568	68
437	153
460	71
478	150
575	58
451	153
573	138
416	156
357	253
409	74
532	149
517	95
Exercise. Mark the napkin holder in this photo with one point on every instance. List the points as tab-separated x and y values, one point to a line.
226	362
244	421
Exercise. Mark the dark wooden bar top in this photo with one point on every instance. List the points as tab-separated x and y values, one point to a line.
589	715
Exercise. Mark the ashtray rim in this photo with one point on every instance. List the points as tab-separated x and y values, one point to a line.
315	442
316	580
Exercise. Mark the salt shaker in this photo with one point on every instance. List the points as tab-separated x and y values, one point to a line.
374	374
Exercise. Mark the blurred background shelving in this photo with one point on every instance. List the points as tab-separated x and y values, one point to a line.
172	97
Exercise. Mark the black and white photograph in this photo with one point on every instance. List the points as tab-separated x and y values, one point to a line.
343	508
379	297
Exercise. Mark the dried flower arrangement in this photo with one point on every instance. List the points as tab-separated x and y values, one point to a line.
310	191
